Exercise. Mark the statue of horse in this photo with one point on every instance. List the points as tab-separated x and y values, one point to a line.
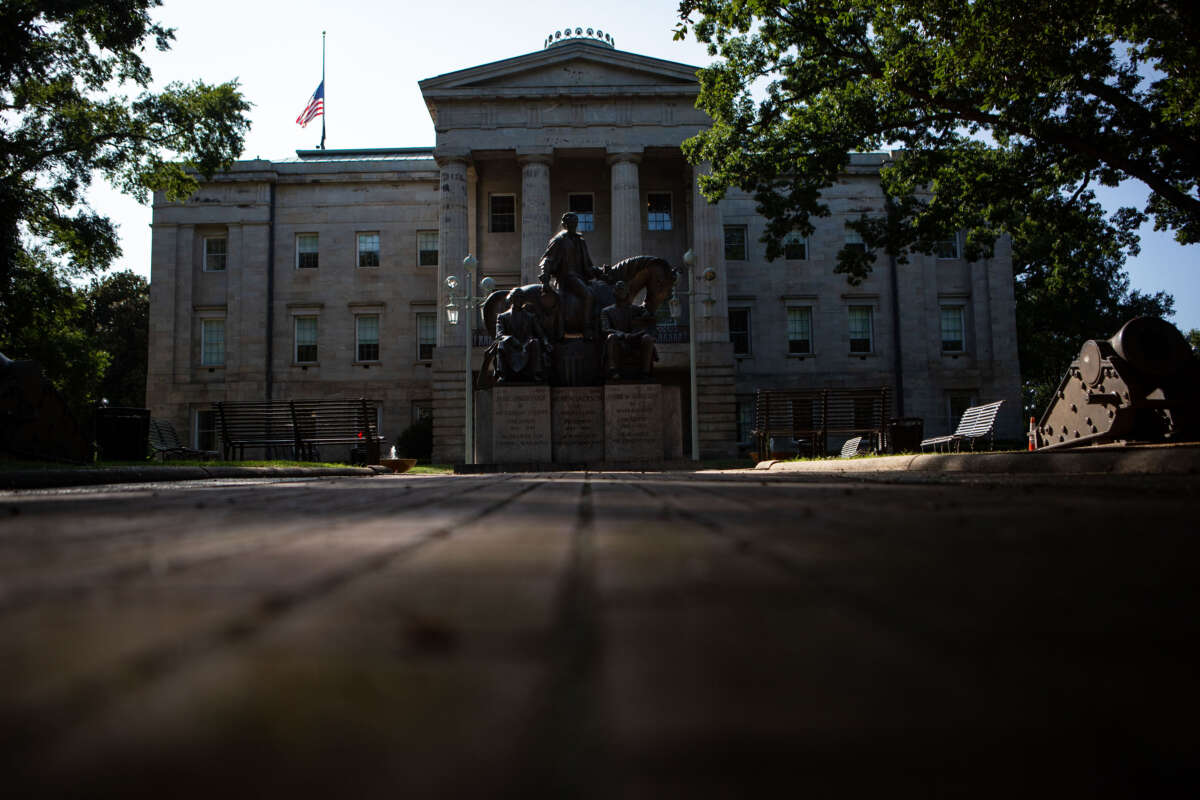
562	313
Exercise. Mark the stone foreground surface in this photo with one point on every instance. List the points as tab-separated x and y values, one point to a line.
601	635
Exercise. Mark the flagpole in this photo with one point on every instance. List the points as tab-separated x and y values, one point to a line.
324	101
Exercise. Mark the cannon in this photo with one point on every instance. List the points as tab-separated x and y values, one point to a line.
35	422
1143	384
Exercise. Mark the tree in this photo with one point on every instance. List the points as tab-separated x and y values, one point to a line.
1070	287
996	104
117	310
416	441
61	123
50	326
1193	337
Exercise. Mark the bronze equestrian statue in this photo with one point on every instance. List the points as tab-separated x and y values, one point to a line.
570	290
561	315
566	267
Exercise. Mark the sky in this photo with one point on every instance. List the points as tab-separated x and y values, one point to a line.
377	51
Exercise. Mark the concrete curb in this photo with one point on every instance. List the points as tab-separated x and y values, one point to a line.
58	478
1131	460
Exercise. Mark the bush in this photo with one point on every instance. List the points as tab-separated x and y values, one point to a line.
417	440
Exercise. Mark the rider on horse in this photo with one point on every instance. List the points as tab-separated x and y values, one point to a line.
567	261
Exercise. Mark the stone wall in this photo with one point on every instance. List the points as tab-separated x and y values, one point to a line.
336	201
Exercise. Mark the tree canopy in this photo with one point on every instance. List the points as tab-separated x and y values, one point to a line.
1070	286
64	120
91	341
1000	107
117	321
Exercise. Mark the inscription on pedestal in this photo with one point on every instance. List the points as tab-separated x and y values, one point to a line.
633	423
577	424
521	424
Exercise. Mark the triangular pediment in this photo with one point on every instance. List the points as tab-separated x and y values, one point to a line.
574	68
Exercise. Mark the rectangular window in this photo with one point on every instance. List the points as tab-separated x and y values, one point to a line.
956	404
502	213
422	409
368	249
946	248
739	330
366	328
306	340
215	253
952	329
658	211
584	207
854	241
212	342
427	248
306	250
799	330
426	335
860	329
204	430
795	247
735	242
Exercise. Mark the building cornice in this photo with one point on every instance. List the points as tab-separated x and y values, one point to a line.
668	71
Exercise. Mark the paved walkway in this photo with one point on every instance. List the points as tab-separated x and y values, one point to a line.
600	635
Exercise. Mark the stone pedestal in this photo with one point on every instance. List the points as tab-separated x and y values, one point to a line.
521	424
576	363
577	424
672	423
620	423
633	423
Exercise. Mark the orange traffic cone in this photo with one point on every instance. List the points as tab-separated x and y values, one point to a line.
1032	433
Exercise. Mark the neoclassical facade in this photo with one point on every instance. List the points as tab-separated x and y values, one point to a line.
324	275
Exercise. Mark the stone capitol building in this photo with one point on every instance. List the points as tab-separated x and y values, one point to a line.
324	275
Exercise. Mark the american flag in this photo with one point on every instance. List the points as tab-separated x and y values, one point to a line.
315	107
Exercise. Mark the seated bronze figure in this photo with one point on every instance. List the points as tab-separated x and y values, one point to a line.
522	346
629	335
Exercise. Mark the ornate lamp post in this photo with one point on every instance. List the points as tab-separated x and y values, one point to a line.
708	276
466	305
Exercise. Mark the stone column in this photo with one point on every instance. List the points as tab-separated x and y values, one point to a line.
472	210
536	223
626	205
453	234
185	259
166	327
708	246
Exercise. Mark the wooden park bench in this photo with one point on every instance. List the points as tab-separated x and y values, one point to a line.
297	429
976	423
803	420
165	443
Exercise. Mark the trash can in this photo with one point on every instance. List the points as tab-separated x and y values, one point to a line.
783	447
122	434
904	434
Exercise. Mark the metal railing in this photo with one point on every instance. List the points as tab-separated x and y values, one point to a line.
803	421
